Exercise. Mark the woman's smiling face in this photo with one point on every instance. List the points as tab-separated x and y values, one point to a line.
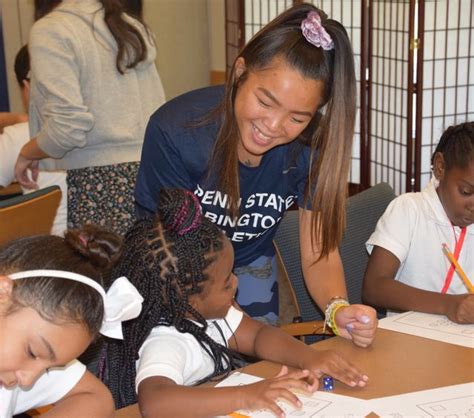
273	106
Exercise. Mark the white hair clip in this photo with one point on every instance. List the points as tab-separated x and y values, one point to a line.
121	302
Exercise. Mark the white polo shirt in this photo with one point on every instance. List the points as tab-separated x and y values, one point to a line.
179	356
48	389
413	228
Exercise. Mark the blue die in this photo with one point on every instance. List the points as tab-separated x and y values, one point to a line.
328	383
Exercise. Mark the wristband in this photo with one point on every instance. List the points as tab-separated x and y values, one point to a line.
332	307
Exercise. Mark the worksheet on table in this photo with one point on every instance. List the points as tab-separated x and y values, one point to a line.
319	404
435	327
448	401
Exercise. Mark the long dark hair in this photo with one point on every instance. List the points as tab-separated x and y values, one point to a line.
166	257
89	251
131	45
329	133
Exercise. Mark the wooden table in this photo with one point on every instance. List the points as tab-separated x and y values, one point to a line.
396	363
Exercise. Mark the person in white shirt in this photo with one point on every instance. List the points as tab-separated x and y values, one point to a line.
190	327
408	268
15	136
49	317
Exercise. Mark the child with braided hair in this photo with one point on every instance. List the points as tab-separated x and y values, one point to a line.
190	326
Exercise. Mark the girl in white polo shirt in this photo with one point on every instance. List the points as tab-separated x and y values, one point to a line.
408	269
49	317
190	327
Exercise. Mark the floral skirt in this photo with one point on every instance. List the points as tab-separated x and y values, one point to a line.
102	195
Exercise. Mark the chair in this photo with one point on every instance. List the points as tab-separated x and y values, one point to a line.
362	213
29	214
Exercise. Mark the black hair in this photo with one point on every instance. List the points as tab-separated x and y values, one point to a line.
89	251
131	46
22	65
457	146
166	257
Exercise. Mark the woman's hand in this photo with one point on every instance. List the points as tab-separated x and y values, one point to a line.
22	166
329	362
28	160
264	394
357	323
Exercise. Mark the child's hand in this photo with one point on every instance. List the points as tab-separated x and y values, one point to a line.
264	394
331	363
357	323
463	310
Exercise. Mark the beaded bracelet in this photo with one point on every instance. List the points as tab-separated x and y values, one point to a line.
332	307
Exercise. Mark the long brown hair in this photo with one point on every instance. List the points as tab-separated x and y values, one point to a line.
330	132
130	43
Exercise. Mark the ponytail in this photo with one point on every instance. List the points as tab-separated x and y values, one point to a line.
334	141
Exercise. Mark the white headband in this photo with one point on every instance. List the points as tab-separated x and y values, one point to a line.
121	302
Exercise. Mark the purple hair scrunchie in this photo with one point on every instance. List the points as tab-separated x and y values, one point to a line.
315	33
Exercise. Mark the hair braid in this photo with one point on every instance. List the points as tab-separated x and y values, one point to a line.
167	266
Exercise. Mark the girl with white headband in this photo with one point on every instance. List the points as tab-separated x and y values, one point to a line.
279	133
52	306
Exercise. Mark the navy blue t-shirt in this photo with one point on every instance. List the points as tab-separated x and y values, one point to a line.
176	152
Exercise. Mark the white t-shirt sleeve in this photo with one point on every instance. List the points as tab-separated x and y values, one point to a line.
50	387
176	356
394	229
11	142
163	355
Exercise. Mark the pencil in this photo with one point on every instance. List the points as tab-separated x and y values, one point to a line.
237	415
460	271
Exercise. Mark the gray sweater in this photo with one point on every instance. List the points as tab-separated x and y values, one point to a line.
83	112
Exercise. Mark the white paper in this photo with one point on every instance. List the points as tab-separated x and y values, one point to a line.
435	327
320	404
448	401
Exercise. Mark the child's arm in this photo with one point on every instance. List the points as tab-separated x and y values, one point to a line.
89	398
162	397
11	118
270	343
381	289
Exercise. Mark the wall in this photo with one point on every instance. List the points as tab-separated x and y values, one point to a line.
216	18
181	29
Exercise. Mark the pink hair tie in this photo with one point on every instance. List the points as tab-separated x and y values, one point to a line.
83	240
197	215
315	33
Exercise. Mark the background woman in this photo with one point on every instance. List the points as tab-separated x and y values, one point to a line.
94	85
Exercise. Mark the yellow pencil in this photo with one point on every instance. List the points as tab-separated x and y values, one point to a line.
460	271
237	415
